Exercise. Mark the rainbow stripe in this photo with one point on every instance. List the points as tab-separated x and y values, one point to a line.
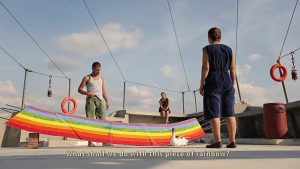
60	124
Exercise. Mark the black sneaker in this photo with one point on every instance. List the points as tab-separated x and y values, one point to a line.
231	145
215	145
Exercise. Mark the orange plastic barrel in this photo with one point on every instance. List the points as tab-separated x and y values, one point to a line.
275	122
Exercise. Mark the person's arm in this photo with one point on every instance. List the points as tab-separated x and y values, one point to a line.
233	69
160	104
204	71
82	85
168	104
105	94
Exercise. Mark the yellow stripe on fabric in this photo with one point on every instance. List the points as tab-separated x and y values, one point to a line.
189	130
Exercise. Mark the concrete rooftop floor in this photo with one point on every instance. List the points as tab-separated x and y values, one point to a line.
131	157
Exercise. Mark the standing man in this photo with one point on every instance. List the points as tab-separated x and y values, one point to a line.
217	87
96	100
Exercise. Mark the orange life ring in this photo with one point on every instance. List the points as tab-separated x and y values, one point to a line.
73	100
284	72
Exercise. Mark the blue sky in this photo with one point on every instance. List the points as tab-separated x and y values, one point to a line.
141	37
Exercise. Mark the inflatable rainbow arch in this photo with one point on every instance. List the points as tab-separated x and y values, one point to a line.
142	134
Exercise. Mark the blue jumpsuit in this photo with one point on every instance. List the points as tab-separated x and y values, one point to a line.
218	98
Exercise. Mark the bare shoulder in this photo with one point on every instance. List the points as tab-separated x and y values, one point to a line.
102	78
204	51
85	79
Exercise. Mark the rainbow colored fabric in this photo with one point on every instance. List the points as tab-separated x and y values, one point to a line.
60	124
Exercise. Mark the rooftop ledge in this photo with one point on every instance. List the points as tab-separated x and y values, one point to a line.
239	108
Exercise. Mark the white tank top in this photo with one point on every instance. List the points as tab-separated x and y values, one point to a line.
95	86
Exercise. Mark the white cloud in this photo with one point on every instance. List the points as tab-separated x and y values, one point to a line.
9	94
67	65
90	43
254	95
242	72
254	57
292	88
149	102
246	69
167	70
7	88
139	92
257	95
141	98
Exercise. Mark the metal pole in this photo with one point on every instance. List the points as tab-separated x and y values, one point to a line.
285	93
236	45
284	89
124	90
238	86
282	83
195	101
183	103
24	88
69	93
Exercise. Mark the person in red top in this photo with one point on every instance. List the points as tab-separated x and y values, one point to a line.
164	109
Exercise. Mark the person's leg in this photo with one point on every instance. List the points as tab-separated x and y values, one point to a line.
215	125
163	114
231	125
212	112
101	109
100	114
228	114
90	109
167	116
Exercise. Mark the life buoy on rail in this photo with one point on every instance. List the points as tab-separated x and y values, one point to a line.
73	100
282	68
